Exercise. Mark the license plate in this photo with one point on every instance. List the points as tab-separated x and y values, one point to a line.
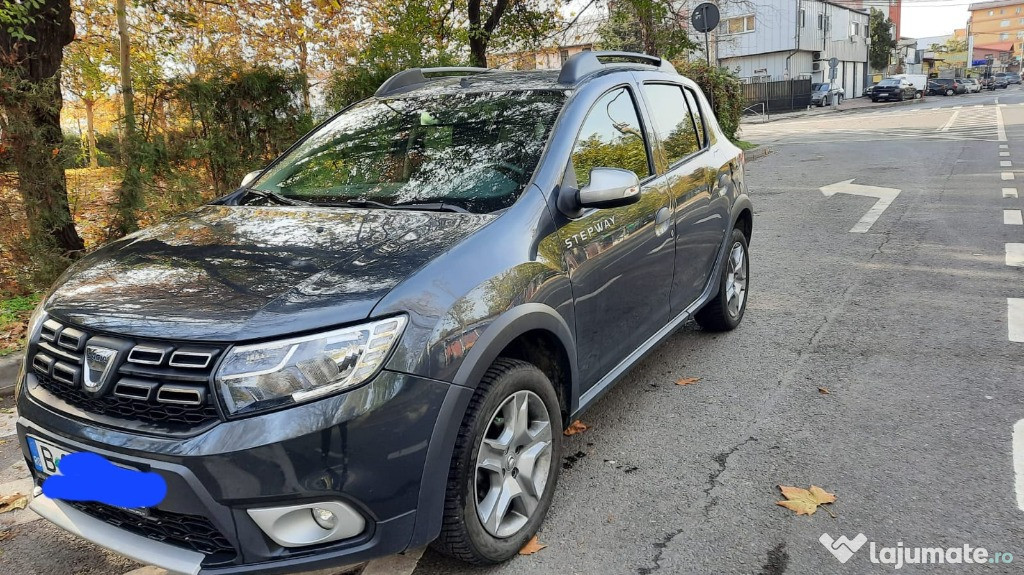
45	456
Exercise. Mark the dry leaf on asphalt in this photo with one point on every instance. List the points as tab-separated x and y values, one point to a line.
8	533
532	546
688	381
575	427
12	502
803	501
823	390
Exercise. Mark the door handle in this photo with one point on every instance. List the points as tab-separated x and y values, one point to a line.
662	221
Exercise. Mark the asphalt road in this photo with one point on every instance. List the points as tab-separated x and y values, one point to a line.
905	326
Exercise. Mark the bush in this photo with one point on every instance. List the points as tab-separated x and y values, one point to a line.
723	87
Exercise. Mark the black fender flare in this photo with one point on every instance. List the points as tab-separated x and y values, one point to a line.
742	203
499	333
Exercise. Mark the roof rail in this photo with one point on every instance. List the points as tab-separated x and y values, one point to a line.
415	76
586	63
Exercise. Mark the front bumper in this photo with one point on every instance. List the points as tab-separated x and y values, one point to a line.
383	449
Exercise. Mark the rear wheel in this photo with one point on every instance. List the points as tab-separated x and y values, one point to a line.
726	311
505	465
950	92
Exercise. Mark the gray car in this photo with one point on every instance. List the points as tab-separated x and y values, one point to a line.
823	94
376	341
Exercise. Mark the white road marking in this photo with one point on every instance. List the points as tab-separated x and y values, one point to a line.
1018	452
1004	147
1009	192
1005	164
1015	331
949	124
1004	154
1012	218
1007	175
957	107
403	564
885	197
1015	255
1000	126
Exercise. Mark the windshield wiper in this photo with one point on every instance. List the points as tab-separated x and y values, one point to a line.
431	207
425	206
275	197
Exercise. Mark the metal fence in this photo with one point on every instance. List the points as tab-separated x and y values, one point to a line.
779	96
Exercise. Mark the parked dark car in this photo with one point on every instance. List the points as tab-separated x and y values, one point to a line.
1000	80
946	86
376	341
869	90
898	89
1013	78
822	94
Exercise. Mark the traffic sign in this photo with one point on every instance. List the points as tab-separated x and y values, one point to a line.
833	62
705	17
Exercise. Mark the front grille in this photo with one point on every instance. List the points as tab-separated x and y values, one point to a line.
161	384
189	531
130	409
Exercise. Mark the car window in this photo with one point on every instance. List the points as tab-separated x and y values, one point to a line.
611	137
476	151
673	121
889	82
702	133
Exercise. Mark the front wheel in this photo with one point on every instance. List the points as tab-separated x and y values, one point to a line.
725	312
505	465
950	92
917	95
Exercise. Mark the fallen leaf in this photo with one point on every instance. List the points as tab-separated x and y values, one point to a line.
8	533
575	427
688	381
823	390
12	502
803	501
532	546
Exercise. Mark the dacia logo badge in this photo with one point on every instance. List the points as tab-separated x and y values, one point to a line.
99	363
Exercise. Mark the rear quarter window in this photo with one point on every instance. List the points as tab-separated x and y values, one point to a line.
673	122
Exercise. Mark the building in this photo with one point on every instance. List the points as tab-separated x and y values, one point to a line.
764	40
579	36
997	28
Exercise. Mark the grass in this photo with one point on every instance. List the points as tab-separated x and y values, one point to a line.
744	145
14	314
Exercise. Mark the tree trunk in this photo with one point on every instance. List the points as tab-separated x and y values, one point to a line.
33	112
480	32
303	69
129	197
90	130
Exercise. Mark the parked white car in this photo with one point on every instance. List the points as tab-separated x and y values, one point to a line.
973	86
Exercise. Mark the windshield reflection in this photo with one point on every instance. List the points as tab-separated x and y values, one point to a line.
475	151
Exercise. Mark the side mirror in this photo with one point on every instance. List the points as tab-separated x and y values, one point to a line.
248	179
610	188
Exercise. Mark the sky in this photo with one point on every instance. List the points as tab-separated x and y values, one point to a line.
922	18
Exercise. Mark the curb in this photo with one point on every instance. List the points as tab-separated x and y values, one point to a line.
752	154
9	367
815	111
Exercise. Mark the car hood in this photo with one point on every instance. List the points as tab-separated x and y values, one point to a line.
236	273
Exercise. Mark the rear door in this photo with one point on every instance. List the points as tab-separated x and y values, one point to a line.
692	172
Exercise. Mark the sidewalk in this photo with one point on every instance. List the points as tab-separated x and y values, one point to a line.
854	104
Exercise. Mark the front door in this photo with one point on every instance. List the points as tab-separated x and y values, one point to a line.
620	260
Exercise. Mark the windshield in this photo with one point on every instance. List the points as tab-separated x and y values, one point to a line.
472	151
889	82
819	87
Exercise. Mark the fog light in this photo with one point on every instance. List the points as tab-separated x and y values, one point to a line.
325	518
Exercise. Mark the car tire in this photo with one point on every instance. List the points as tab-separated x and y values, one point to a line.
725	312
950	92
875	100
507	385
900	97
918	95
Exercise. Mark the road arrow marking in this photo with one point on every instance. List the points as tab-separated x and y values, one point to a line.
885	197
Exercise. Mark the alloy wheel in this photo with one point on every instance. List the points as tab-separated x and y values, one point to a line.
736	280
513	464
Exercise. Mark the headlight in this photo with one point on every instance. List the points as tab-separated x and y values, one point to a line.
267	375
34	321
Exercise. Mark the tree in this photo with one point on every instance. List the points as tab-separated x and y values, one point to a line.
33	34
513	21
882	42
129	196
649	26
88	63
